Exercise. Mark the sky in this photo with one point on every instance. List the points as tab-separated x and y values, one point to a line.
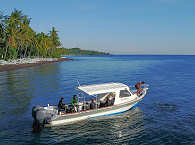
115	26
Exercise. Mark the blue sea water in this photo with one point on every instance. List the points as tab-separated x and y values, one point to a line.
165	116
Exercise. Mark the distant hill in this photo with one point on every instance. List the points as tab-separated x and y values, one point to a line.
79	51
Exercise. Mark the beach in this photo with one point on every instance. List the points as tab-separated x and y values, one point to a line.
27	62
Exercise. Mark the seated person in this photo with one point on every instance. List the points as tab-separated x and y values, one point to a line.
112	99
60	105
102	103
103	100
108	101
74	103
92	104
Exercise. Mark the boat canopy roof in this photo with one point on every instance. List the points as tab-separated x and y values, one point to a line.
102	88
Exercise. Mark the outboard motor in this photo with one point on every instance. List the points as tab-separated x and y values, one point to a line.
42	116
36	124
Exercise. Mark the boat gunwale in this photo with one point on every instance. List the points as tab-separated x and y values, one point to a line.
89	113
137	99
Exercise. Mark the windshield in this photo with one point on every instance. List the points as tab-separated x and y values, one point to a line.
103	96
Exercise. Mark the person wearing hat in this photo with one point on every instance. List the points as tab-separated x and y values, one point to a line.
60	105
138	87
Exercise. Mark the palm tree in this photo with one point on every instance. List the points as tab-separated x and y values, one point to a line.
54	37
20	39
12	28
44	43
55	42
26	35
2	35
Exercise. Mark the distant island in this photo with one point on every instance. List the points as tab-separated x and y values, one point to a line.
18	40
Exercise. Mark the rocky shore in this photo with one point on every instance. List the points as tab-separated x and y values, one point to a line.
27	62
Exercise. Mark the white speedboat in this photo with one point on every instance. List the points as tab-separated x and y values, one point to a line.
108	99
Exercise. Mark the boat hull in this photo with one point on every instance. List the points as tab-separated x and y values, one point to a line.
74	117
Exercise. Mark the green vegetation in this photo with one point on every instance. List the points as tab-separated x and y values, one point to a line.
18	39
78	51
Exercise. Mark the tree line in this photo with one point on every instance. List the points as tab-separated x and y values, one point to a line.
78	51
19	40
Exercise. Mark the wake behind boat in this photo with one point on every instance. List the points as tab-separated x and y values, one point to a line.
109	99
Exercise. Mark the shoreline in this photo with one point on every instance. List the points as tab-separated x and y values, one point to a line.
8	67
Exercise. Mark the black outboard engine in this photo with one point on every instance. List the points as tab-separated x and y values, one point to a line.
36	124
42	116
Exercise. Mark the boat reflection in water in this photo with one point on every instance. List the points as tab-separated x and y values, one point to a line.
111	129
